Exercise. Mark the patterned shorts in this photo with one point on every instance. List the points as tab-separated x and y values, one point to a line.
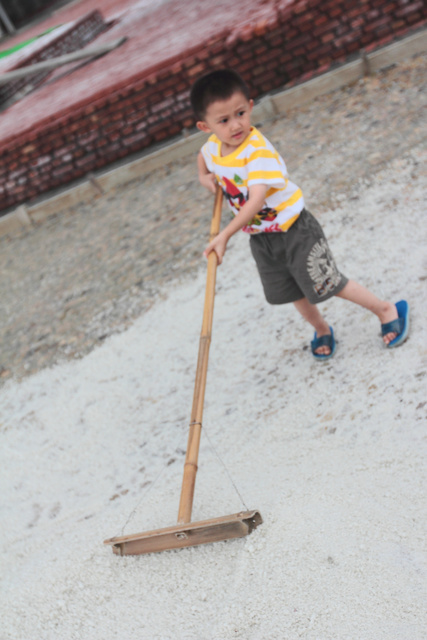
297	264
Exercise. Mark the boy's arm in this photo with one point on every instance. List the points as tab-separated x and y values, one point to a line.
249	210
206	178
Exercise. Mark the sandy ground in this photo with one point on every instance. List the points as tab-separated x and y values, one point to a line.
332	454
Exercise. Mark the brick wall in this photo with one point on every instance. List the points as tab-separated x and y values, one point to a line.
293	43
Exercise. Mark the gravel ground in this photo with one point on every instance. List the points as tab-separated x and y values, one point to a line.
90	271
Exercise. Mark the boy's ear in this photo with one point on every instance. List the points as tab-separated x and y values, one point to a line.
203	126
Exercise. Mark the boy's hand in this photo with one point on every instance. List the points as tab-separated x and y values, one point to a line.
219	245
246	213
208	180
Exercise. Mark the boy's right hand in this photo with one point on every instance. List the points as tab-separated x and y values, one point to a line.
208	181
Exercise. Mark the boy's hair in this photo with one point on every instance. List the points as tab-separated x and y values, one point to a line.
216	85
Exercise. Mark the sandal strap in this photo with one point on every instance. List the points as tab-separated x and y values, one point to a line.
395	326
323	341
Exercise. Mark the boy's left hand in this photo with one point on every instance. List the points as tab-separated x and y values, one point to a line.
219	245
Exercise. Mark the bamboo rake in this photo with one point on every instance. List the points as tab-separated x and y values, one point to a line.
187	533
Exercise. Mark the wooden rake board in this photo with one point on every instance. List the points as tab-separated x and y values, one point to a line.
187	533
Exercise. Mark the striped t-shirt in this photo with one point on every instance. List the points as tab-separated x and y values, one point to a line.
255	161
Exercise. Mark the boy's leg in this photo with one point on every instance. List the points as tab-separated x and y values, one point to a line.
385	311
312	314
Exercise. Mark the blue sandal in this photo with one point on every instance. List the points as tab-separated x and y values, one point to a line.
323	341
399	326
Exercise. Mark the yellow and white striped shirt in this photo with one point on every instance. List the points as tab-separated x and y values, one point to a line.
255	161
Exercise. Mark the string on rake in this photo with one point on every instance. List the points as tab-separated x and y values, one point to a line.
148	489
161	472
226	468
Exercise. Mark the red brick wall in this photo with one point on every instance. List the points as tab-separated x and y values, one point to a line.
294	43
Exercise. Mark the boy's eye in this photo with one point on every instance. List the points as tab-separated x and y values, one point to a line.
241	113
224	120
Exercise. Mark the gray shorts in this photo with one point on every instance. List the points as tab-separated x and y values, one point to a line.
297	263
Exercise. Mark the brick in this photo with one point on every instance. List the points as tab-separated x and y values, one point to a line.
317	54
101	142
303	18
261	28
275	40
352	47
134	139
300	7
358	22
188	122
285	13
161	135
371	15
335	12
356	12
269	77
415	17
245	66
216	47
398	24
299	51
270	57
175	128
290	33
300	41
18	190
285	57
91	108
16	174
249	55
259	49
329	26
258	70
328	37
197	70
62	171
85	161
176	68
387	8
382	32
405	11
321	20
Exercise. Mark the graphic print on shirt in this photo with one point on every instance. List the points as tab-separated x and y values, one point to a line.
322	269
233	195
236	199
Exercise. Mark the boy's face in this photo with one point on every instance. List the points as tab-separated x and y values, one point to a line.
229	120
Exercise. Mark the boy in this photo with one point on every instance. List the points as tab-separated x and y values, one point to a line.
288	244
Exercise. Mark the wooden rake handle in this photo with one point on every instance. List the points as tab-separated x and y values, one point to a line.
191	458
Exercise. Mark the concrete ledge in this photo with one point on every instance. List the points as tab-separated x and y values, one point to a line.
269	107
15	221
349	73
324	84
